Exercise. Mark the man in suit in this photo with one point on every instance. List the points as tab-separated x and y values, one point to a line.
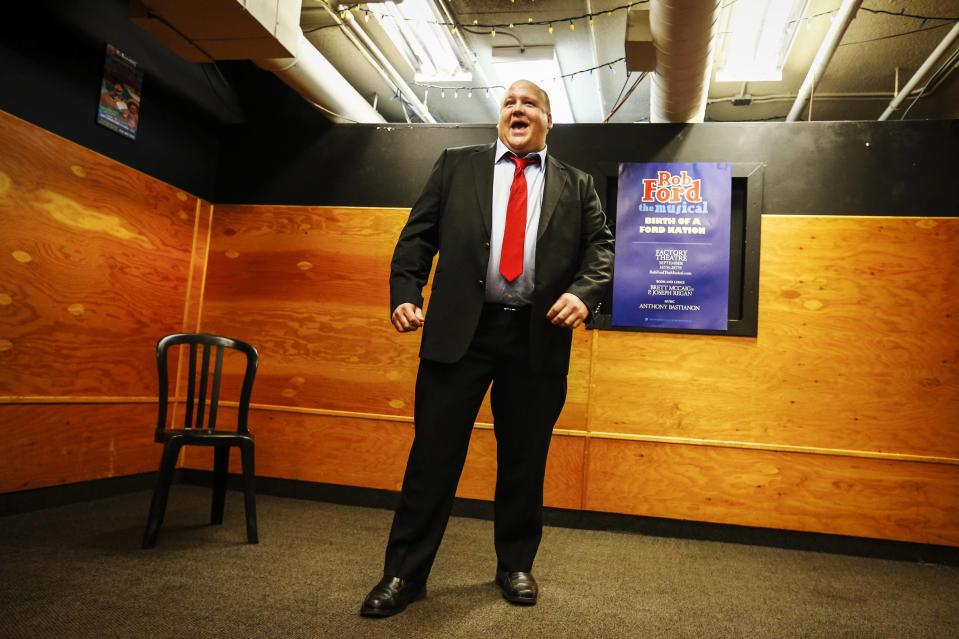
524	254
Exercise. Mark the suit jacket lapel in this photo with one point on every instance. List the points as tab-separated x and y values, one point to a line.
482	162
556	179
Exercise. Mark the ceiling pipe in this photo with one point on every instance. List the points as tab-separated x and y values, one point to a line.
318	81
467	52
387	80
684	33
593	49
411	98
840	22
923	71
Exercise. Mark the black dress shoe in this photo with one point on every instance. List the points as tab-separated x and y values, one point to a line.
518	587
391	596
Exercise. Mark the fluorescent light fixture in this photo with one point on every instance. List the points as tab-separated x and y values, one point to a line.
424	44
536	64
757	39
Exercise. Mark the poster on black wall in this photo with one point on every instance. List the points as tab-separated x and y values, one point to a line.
119	108
672	246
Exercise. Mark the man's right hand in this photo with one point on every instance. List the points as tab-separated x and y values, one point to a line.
407	317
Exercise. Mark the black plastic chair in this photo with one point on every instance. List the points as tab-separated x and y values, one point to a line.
194	432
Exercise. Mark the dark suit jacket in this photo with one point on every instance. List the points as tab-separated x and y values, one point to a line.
453	215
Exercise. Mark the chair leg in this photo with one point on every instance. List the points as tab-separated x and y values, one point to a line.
221	462
161	491
249	492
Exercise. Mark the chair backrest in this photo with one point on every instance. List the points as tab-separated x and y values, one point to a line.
196	398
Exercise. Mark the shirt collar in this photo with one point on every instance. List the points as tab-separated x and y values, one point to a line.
502	149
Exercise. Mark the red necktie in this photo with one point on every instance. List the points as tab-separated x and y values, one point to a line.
514	235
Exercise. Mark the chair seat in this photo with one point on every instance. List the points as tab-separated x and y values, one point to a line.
203	437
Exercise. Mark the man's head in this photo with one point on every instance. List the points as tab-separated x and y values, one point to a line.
524	118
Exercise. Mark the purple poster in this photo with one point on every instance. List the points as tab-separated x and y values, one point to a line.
672	246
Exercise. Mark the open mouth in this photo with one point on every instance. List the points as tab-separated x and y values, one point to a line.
518	126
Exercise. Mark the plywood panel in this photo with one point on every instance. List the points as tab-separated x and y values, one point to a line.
858	348
94	261
49	445
907	501
564	470
373	453
309	287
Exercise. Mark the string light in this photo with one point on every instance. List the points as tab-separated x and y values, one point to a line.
486	90
529	21
550	27
493	32
571	25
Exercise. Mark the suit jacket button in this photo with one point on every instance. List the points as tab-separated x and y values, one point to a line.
486	245
481	282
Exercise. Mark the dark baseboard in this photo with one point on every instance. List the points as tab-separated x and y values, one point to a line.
29	500
53	496
591	520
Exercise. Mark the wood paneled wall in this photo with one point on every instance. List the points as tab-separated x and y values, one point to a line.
96	262
840	417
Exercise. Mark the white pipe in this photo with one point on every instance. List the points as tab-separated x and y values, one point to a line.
840	22
313	77
593	49
684	33
918	77
418	107
368	57
465	48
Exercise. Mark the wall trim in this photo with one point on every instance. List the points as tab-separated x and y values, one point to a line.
636	437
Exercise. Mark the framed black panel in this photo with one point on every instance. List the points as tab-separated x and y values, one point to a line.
744	238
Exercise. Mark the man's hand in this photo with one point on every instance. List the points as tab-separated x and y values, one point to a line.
407	317
568	311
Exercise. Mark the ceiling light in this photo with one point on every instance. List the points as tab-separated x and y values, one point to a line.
757	39
417	32
538	65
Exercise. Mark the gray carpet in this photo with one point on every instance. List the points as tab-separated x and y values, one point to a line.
78	571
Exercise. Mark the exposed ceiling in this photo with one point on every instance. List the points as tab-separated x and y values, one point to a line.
858	84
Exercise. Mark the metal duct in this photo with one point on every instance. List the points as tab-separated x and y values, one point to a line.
311	75
684	33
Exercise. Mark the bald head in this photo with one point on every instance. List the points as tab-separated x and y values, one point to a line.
524	118
535	87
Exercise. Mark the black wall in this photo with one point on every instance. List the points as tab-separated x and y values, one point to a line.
51	66
847	168
250	139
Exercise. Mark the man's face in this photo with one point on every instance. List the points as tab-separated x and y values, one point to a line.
524	118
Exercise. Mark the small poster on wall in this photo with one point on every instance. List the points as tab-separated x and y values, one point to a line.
672	246
119	108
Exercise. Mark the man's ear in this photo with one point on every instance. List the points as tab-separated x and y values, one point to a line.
549	120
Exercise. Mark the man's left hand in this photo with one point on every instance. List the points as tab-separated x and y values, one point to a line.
568	311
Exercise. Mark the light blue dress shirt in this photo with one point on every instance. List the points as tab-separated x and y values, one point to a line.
519	292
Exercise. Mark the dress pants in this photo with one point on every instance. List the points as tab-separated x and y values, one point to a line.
526	405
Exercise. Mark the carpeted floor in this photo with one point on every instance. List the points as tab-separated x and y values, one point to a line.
78	571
